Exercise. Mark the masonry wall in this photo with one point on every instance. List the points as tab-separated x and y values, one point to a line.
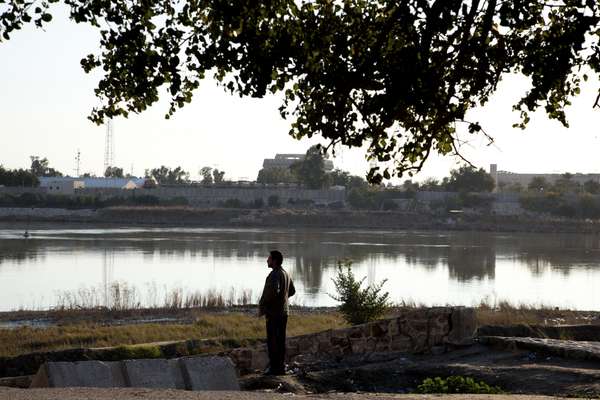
213	196
414	331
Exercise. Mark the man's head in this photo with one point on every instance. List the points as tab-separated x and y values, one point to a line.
275	259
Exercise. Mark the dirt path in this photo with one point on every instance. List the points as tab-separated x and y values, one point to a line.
515	371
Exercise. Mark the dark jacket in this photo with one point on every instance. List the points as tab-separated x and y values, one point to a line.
274	299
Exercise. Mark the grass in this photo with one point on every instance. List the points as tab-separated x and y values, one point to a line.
120	296
228	328
505	313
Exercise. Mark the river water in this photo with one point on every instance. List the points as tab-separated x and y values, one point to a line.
431	268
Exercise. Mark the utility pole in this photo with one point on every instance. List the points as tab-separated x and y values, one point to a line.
109	147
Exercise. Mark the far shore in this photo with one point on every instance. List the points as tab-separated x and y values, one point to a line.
41	218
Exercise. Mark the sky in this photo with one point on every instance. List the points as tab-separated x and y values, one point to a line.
45	98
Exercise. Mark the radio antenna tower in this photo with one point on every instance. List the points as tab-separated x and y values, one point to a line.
109	146
78	163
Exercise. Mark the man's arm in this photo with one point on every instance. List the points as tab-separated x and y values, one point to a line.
267	296
292	289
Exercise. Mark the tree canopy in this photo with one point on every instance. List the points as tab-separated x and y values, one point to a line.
271	176
396	76
168	176
40	167
310	171
113	172
469	179
17	177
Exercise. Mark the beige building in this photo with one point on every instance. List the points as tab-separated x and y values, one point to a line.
502	178
286	161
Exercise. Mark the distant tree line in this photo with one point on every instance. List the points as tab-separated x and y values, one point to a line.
17	177
464	179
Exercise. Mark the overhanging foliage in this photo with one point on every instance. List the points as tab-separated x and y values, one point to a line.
397	76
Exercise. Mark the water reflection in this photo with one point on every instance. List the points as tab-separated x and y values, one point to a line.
214	257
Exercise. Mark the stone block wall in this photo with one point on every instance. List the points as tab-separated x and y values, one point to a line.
412	331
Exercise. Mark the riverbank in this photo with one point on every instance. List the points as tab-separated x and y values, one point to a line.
24	332
290	218
565	367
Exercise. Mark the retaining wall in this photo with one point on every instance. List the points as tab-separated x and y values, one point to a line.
212	196
432	330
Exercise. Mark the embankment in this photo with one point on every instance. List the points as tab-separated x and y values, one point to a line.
294	218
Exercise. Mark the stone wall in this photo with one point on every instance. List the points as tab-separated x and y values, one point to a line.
414	331
210	196
19	190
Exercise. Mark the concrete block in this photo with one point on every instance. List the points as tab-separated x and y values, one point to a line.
79	374
260	359
209	373
463	326
163	374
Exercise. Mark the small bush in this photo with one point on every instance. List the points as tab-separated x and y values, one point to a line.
456	384
273	201
232	203
359	305
389	205
146	200
131	352
257	203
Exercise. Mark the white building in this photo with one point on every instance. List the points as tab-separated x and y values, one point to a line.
67	184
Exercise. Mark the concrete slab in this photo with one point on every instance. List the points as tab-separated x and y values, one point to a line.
209	373
162	374
79	374
463	326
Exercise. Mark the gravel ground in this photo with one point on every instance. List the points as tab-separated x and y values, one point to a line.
150	394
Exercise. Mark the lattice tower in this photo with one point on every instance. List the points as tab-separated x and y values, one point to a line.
109	146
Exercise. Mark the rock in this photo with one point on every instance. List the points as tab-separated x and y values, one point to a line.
163	374
79	374
209	373
192	373
22	382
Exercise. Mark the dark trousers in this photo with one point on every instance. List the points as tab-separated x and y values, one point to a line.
276	326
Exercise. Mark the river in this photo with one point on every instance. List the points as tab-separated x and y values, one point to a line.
424	267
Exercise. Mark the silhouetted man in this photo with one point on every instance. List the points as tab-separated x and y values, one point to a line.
274	306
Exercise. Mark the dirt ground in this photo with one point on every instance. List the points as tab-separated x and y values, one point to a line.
517	372
149	394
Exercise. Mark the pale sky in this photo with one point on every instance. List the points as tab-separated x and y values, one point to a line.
45	98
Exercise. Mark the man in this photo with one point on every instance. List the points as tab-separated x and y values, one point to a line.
274	306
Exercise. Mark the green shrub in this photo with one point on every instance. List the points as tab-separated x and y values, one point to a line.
146	200
362	198
257	203
273	201
232	203
131	352
358	305
456	384
389	205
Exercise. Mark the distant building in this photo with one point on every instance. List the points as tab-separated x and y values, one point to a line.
60	185
286	161
510	178
68	184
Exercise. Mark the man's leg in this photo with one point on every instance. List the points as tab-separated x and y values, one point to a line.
281	343
272	343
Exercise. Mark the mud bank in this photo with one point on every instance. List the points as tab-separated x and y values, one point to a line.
291	218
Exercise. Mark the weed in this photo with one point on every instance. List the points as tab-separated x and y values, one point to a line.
456	384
